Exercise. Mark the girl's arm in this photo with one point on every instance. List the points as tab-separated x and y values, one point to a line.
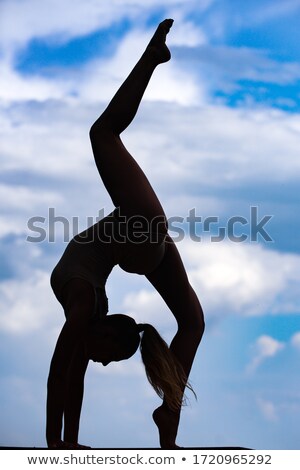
74	394
70	337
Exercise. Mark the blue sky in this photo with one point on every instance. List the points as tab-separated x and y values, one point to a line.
218	132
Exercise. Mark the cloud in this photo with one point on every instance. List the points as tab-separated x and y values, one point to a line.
186	33
271	11
33	19
27	305
146	306
268	410
219	144
195	153
265	348
211	146
295	341
226	65
200	150
41	21
242	279
133	368
45	140
217	147
19	197
229	279
15	87
169	83
105	74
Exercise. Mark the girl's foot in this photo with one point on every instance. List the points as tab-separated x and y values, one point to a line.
167	422
157	46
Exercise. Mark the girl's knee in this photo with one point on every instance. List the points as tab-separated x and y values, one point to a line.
193	320
197	322
103	139
102	129
98	129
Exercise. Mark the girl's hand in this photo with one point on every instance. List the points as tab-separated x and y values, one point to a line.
77	446
62	445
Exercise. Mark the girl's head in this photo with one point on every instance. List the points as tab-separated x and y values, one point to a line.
113	338
117	337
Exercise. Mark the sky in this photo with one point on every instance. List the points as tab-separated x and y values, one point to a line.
218	135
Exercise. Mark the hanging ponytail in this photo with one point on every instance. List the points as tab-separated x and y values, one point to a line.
163	370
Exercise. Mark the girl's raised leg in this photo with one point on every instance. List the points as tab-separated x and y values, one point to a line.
123	178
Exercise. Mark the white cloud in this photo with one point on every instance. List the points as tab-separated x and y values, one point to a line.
97	75
181	204
169	82
268	409
271	11
146	306
229	279
185	32
131	368
242	279
264	348
105	75
184	149
214	145
211	146
219	147
22	21
15	87
59	22
295	340
19	197
43	138
27	304
192	147
226	65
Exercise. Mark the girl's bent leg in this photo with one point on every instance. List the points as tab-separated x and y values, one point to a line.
171	281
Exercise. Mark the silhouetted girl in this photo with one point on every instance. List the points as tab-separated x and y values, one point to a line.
134	236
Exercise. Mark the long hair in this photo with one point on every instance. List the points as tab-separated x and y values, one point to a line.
163	370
